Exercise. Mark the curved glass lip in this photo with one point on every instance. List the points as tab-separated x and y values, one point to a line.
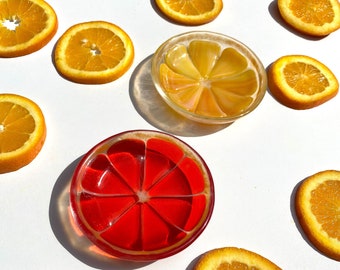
142	134
186	37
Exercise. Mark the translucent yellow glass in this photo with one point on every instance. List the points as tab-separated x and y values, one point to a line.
204	79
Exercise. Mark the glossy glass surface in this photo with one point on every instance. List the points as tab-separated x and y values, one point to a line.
208	77
142	195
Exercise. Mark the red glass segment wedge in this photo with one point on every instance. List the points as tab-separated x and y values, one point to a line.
142	195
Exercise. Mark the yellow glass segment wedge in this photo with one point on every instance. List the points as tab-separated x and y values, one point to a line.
179	60
229	63
203	55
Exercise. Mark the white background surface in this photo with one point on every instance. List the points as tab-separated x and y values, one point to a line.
256	162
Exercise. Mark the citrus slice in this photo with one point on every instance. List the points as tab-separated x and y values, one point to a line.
317	204
233	258
142	195
317	17
25	26
22	131
94	52
208	77
301	82
191	12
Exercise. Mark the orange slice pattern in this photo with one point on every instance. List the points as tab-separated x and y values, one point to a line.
142	199
204	79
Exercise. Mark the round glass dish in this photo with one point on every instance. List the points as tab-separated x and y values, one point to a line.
208	77
142	195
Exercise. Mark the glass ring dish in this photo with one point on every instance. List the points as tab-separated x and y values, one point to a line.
142	195
208	77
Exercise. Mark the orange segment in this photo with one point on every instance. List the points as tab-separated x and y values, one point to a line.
126	192
22	132
193	12
301	82
232	258
183	90
204	55
94	52
25	26
179	60
208	105
316	17
230	102
243	83
317	205
229	63
206	80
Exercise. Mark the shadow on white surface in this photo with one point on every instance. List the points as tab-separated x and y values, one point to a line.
193	263
155	111
296	220
70	237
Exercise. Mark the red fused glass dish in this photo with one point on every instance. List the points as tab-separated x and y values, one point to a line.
142	195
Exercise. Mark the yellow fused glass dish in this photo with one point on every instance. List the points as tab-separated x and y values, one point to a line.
208	77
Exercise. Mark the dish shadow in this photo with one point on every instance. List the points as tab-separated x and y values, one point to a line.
274	12
155	111
71	238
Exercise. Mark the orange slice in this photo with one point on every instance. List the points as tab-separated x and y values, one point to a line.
233	258
316	17
206	79
22	131
25	26
301	82
94	52
191	12
142	195
317	205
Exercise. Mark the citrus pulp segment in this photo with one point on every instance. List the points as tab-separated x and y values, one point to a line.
233	258
301	82
317	204
142	195
191	12
22	131
25	26
316	17
208	77
94	52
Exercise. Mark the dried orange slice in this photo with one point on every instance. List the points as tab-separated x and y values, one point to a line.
233	258
317	205
301	82
317	17
191	12
142	195
25	26
94	52
22	131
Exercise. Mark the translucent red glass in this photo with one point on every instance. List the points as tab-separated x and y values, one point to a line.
142	195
